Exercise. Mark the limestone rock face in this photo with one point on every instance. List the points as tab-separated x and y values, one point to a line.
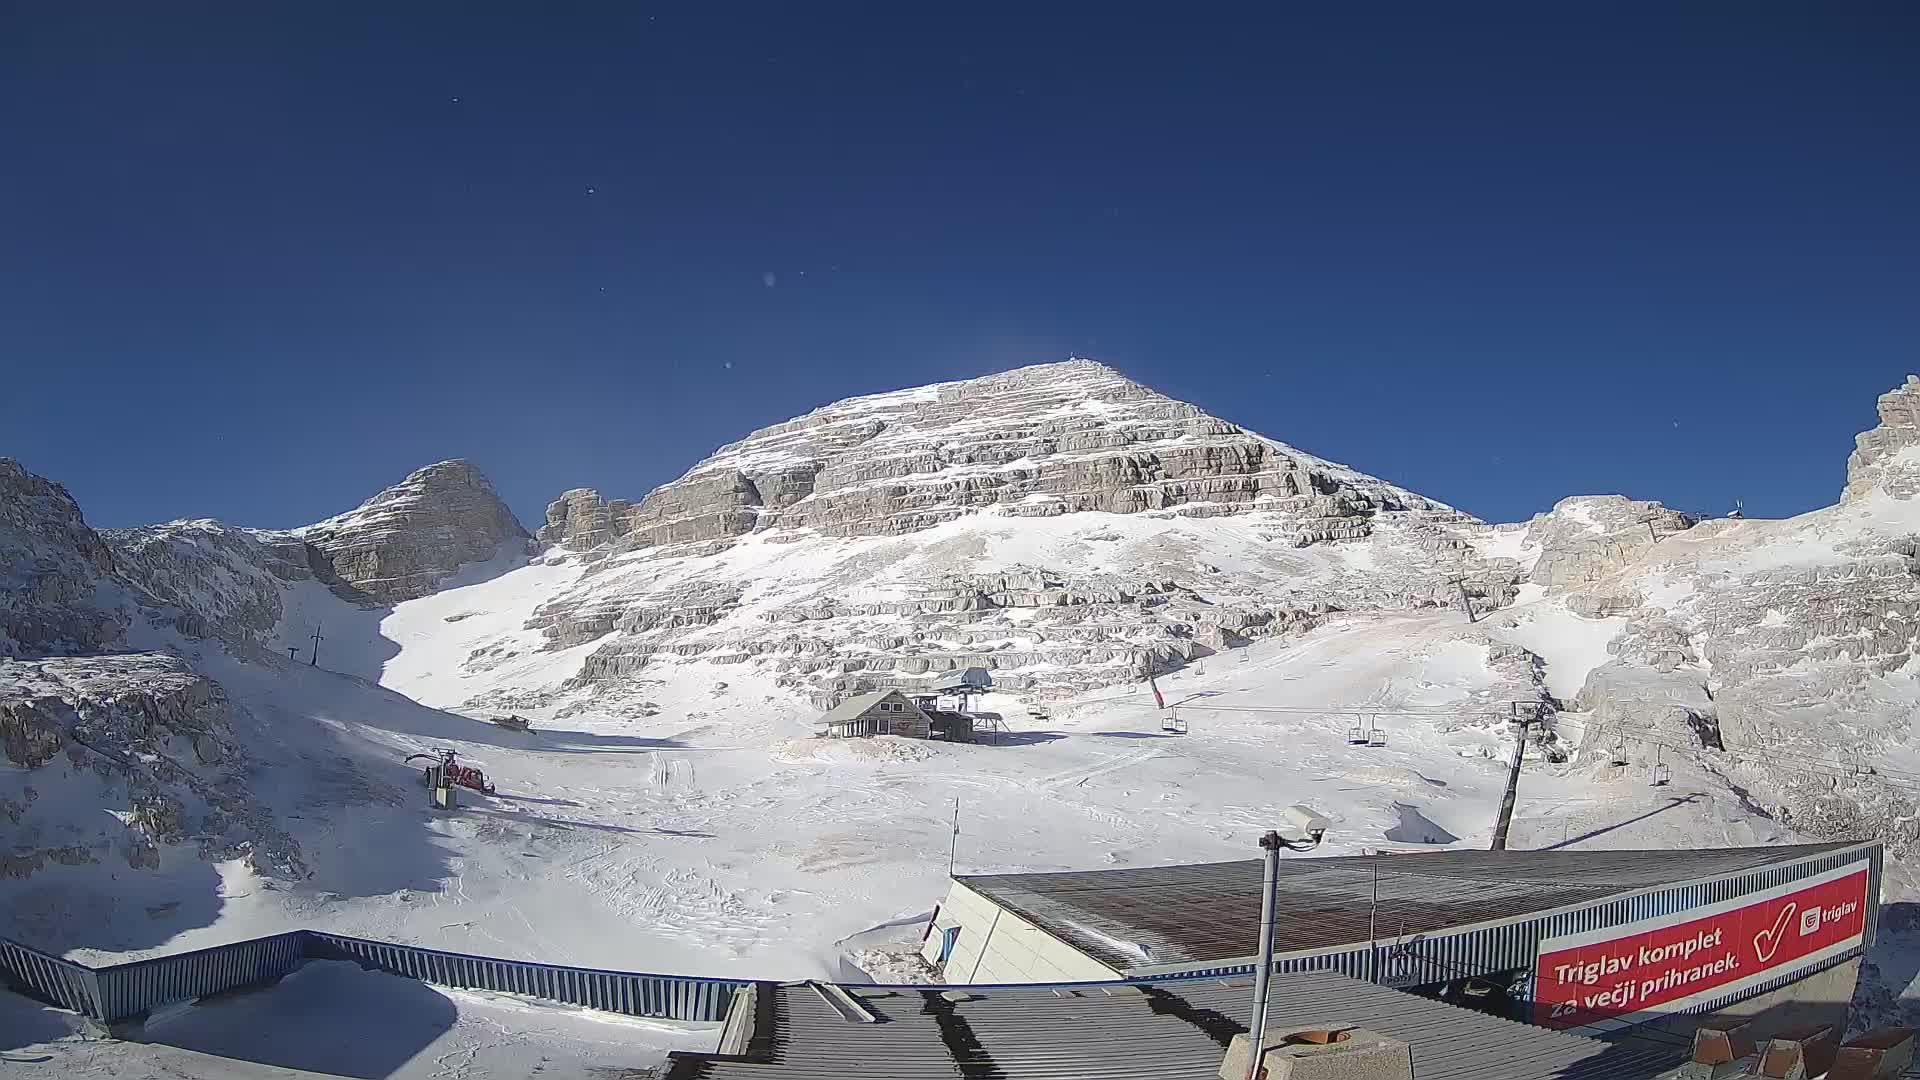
1883	457
1586	536
581	519
1059	525
139	735
1779	650
215	580
1038	441
55	573
400	543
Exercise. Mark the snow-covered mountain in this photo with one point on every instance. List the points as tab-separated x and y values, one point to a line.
118	755
1787	648
1059	525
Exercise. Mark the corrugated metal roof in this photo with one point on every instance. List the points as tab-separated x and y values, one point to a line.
1170	1030
1209	912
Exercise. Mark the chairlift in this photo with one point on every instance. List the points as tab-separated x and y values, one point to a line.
1619	751
1172	723
1661	774
1358	736
1377	737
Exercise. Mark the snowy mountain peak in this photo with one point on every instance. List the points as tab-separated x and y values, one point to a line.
1038	441
1058	524
1883	458
1061	527
401	542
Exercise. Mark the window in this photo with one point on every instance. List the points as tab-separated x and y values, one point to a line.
948	938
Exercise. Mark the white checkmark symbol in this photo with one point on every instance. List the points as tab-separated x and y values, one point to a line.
1767	942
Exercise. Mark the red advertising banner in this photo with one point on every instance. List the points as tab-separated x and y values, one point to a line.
1651	966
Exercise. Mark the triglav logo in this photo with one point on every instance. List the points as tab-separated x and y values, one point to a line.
1809	922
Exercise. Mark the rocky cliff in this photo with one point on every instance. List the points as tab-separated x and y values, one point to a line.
209	579
1782	651
400	543
52	571
139	736
1038	441
1883	456
1060	525
113	754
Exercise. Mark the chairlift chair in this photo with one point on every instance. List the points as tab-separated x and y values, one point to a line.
1358	736
1619	751
1661	774
1377	737
1173	723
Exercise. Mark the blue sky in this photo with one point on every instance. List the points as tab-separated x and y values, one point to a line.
258	261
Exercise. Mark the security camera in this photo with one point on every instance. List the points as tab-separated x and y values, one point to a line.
1303	822
1302	829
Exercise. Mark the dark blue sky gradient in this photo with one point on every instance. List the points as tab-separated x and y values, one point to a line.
257	261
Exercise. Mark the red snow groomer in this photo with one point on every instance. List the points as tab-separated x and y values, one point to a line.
464	776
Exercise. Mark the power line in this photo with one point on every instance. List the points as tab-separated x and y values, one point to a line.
1642	735
1499	710
1798	762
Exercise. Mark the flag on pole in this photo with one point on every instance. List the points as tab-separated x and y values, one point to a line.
1159	702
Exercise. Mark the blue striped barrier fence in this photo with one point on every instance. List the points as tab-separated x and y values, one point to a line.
123	991
50	978
675	997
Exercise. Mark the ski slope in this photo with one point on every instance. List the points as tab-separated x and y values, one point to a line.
717	836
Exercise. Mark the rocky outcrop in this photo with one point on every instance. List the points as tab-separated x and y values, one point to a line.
400	543
139	736
1586	537
56	589
581	519
1883	457
214	580
1778	651
1035	442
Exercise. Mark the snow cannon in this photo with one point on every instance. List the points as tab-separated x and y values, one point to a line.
442	766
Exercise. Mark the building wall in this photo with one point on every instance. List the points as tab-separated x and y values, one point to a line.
997	946
909	721
912	723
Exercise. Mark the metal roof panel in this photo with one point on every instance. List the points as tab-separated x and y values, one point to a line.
1208	912
1164	1030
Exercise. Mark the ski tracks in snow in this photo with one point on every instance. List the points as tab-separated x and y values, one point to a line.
1078	777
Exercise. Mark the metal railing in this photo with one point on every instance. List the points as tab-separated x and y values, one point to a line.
142	985
50	978
126	991
673	997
